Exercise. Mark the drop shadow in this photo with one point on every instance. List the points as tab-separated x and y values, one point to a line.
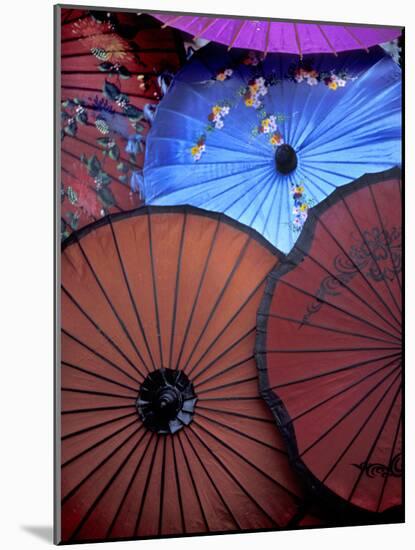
43	532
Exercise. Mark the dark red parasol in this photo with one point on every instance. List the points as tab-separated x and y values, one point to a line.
163	428
113	67
329	344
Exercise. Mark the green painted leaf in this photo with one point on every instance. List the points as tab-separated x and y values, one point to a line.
105	178
104	141
106	197
82	117
111	91
105	67
71	128
122	167
73	220
123	178
115	152
72	196
124	72
132	112
94	166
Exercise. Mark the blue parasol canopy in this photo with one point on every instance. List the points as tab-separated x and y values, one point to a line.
263	140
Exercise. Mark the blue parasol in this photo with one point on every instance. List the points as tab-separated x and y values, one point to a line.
263	140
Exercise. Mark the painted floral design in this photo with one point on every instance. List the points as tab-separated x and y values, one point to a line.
268	126
198	149
215	122
301	206
253	59
223	75
309	75
216	116
99	37
254	93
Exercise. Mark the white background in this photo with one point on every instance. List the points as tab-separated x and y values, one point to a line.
26	272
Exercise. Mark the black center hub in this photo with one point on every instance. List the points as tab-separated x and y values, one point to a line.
285	159
166	402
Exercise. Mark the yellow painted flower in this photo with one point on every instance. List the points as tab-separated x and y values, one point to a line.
332	85
253	88
265	122
300	189
249	102
195	150
221	77
303	207
216	110
275	139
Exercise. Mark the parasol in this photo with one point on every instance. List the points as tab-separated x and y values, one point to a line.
329	344
281	36
163	428
264	140
112	70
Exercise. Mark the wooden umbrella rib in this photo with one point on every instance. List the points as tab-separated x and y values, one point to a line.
297	39
235	36
211	21
171	21
356	38
267	39
326	38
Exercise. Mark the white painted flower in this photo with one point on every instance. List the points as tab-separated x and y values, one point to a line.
219	124
228	72
312	81
225	110
341	82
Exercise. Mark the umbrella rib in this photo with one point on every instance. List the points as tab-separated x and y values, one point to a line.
130	483
96	375
99	91
359	431
92	409
98	443
349	288
362	235
235	36
105	489
113	309
234	478
267	39
227	369
326	350
130	294
169	22
297	39
179	492
347	388
218	300
224	352
243	434
395	439
249	462
95	426
205	469
323	32
99	465
162	482
69	153
95	392
144	492
198	291
193	483
176	289
395	355
101	331
342	310
375	442
207	26
352	409
233	398
224	386
356	38
102	357
100	149
384	234
302	323
239	415
155	294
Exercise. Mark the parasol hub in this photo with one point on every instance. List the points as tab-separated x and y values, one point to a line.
285	159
